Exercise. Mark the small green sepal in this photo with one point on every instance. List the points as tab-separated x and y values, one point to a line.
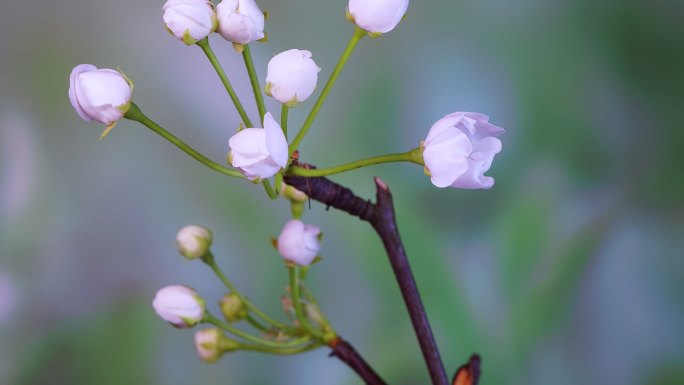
108	129
238	47
349	16
188	39
292	103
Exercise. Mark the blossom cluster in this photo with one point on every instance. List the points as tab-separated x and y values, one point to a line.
457	152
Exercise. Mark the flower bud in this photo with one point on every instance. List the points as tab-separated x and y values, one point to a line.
377	16
291	76
180	306
292	194
232	308
459	149
240	21
193	241
259	152
212	343
102	95
299	243
190	20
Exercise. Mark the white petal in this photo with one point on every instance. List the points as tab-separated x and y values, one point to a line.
73	78
378	15
447	159
276	143
249	142
441	127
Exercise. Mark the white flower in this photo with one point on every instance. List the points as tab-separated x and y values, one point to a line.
180	306
212	343
193	241
102	95
299	243
259	152
377	16
240	21
291	76
460	148
190	20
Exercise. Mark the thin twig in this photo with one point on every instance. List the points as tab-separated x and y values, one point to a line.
381	216
347	354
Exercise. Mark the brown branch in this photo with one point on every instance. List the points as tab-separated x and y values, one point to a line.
381	216
347	354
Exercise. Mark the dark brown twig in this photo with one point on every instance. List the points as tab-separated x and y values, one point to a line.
381	216
347	354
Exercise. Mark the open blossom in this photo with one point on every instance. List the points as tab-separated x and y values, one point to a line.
377	16
189	20
259	152
180	306
291	76
240	21
193	241
460	148
102	95
299	243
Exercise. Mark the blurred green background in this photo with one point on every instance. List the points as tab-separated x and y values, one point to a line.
569	271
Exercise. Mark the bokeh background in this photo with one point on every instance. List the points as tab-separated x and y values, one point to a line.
569	271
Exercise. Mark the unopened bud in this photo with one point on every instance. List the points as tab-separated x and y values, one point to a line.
180	306
193	241
211	344
233	308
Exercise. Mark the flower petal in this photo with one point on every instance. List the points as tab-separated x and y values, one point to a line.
275	141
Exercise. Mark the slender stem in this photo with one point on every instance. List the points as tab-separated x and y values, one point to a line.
296	302
135	114
288	351
209	260
254	79
269	190
204	44
208	318
255	322
284	112
358	34
313	172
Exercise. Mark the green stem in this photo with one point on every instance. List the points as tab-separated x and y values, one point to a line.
255	322
209	318
209	260
254	79
358	34
290	351
204	44
296	302
284	112
135	114
414	156
269	190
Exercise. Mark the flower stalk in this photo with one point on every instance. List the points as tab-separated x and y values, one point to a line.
204	45
413	156
135	114
353	42
254	80
211	262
